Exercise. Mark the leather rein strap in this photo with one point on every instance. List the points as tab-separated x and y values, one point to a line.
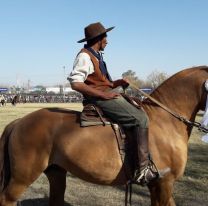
179	117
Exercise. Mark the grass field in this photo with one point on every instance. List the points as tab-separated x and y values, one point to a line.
191	190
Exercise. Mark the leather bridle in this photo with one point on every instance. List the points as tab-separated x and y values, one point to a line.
176	115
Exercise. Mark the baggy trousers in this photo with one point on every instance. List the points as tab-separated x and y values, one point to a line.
122	112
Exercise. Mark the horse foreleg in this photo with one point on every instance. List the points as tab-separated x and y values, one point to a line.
161	193
57	180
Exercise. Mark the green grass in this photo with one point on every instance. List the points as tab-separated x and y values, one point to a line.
190	190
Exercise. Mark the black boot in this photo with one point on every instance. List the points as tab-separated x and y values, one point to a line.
145	169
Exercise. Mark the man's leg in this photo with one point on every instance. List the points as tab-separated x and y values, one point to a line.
122	112
145	169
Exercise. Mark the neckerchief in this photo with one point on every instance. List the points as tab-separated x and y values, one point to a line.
102	64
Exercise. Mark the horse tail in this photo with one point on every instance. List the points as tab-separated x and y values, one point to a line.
5	172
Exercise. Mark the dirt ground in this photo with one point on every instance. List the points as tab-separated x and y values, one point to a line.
80	193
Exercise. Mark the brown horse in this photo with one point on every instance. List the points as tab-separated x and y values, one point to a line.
36	142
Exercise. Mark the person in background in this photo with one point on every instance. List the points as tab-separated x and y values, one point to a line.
2	100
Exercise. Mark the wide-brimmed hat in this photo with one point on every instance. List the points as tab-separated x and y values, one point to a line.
94	30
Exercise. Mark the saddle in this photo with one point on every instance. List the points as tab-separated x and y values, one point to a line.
92	115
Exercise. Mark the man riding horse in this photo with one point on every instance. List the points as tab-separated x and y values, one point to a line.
91	78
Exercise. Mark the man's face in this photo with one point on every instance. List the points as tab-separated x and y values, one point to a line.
103	42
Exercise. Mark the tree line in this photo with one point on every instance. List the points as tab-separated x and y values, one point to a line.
153	80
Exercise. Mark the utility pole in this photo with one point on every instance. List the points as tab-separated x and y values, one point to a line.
28	85
64	83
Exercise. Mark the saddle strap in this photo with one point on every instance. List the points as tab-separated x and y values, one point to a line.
100	115
128	194
122	142
120	137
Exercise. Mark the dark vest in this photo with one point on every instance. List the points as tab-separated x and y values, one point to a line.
97	80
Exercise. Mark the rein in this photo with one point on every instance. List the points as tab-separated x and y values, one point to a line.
179	117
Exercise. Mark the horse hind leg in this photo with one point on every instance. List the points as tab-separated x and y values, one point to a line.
12	192
21	178
57	180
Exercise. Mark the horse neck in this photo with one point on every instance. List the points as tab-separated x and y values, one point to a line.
180	97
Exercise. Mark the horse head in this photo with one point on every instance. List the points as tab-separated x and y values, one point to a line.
204	97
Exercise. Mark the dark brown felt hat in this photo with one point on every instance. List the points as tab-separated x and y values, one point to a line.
94	30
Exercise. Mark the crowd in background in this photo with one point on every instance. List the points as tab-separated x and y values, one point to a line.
72	97
39	98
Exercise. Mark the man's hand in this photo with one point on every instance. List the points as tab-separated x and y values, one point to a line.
121	82
110	95
85	89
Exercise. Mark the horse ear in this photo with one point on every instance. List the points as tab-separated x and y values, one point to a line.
206	85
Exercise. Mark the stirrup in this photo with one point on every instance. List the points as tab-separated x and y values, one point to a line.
142	177
147	176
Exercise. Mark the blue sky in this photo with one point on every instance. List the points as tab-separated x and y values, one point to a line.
39	37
